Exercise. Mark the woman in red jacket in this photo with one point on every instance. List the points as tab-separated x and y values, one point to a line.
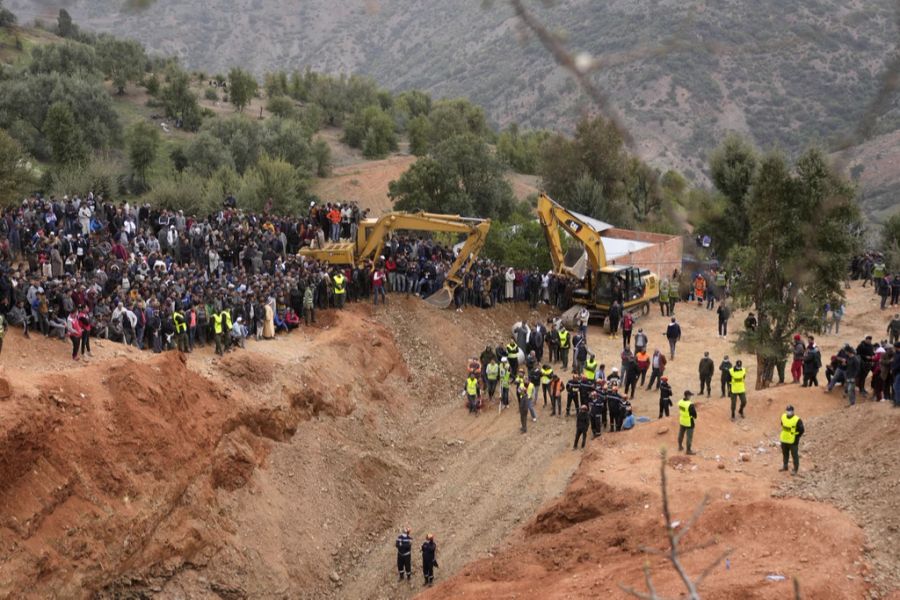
73	330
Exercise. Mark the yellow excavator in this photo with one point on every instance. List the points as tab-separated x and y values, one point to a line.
586	262
373	232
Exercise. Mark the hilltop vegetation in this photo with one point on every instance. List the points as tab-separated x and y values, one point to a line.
786	74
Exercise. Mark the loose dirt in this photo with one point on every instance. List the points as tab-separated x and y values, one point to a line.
286	471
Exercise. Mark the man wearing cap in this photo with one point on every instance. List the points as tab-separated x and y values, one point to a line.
582	420
503	376
404	554
429	559
725	370
737	376
791	430
673	334
866	353
893	329
573	389
687	414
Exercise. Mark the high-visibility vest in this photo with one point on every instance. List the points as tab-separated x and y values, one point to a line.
530	390
339	283
664	292
226	318
504	376
720	278
737	380
178	319
545	375
789	428
492	371
878	270
563	338
512	350
684	413
217	322
590	369
472	386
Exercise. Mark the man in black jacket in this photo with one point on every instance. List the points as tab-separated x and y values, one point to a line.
404	554
851	372
581	426
665	396
429	559
725	370
706	369
791	430
866	353
596	411
673	334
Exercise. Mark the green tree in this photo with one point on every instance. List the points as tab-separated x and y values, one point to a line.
281	106
521	151
65	27
286	140
797	252
322	156
642	190
15	173
890	240
179	101
732	167
7	18
67	58
372	130
179	159
143	143
461	176
242	87
419	132
242	136
456	117
518	243
121	60
64	136
206	153
275	183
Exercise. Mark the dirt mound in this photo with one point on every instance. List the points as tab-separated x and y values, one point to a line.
248	368
585	499
856	466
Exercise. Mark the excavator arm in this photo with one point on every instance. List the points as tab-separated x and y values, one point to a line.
373	232
554	216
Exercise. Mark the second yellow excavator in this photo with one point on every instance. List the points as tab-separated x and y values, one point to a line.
601	283
373	233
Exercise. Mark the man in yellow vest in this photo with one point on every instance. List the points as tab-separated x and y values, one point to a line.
791	430
340	291
226	328
504	374
564	344
512	355
687	414
180	329
473	393
217	332
546	376
738	387
492	376
590	368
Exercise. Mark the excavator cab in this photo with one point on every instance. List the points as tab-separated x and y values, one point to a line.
612	282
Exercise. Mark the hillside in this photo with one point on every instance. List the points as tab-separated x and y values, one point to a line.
681	73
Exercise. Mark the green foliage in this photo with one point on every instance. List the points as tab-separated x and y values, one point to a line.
121	60
179	159
187	193
100	176
179	101
797	252
890	241
15	174
143	143
68	58
461	176
64	137
207	153
732	167
281	106
7	18
65	27
419	133
518	243
242	137
151	84
211	94
372	130
286	140
521	151
275	183
456	117
322	157
642	190
242	87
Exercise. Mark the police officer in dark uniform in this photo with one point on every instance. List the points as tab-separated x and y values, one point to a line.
573	388
429	560
597	409
404	554
616	407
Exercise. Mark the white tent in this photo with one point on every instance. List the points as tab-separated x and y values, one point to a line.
616	248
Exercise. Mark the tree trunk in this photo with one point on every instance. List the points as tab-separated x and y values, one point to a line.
761	382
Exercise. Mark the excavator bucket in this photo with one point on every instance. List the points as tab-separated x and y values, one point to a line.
441	298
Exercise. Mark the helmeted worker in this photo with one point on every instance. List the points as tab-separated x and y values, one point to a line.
665	396
687	414
581	426
597	410
340	290
738	387
429	559
404	554
556	388
791	430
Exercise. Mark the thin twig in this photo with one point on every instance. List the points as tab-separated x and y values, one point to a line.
708	570
567	61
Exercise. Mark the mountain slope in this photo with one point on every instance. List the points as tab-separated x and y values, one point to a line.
681	74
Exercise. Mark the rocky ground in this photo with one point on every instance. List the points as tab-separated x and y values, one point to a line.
286	471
